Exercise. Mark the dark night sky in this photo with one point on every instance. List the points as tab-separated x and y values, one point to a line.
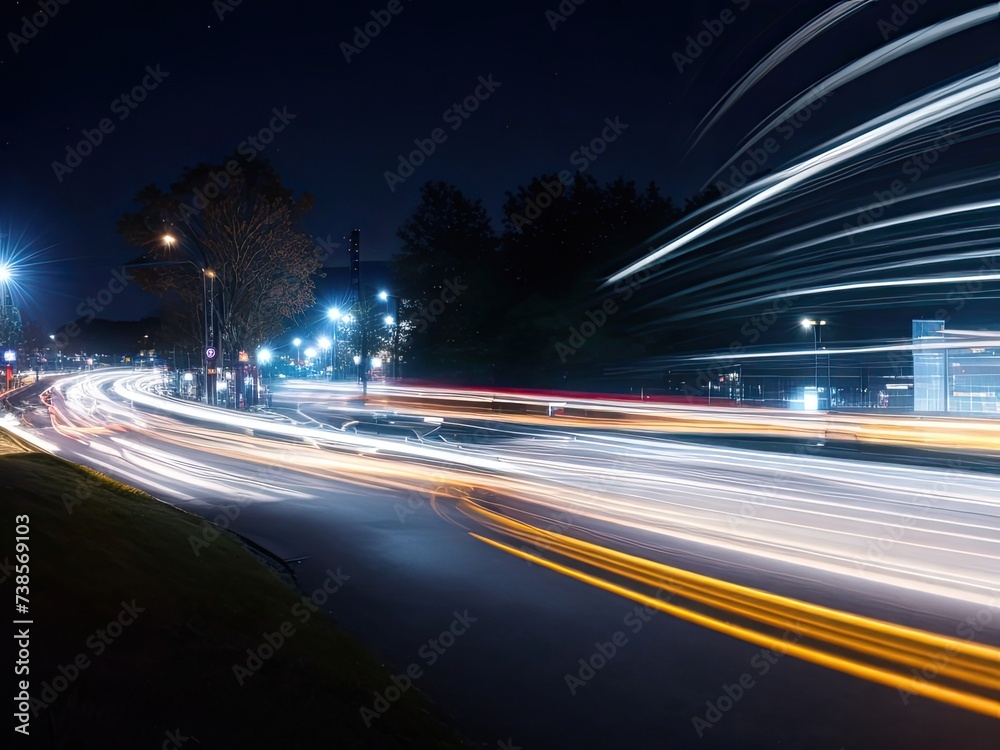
352	120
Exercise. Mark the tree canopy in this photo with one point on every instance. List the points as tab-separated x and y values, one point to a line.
526	290
234	227
449	247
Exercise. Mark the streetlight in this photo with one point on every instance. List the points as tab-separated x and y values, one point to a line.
324	345
817	329
264	358
297	343
11	331
310	353
208	340
334	315
390	321
6	276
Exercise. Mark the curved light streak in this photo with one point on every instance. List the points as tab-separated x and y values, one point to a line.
870	62
971	92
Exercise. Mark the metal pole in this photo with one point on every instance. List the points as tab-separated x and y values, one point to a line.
363	362
829	383
947	379
815	364
204	349
395	338
213	395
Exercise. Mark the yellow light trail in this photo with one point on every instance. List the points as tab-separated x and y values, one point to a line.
965	665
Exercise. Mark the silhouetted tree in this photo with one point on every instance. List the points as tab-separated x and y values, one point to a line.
242	225
446	272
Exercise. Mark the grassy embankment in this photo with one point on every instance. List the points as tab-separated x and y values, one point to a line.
96	544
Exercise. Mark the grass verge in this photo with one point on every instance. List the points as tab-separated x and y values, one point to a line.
135	638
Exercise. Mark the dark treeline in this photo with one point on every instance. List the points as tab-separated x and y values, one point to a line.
525	306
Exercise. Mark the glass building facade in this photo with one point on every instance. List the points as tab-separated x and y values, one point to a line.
955	371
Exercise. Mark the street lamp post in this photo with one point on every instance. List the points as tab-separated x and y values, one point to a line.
5	277
817	330
264	360
206	340
392	321
334	314
211	365
297	343
205	273
6	322
324	346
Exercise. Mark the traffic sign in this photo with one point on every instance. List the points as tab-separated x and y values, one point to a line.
210	353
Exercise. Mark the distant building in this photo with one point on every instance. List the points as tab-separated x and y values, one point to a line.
955	371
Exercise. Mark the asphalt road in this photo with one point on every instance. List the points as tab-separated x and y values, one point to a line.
497	641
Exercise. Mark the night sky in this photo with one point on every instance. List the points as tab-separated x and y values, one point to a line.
223	78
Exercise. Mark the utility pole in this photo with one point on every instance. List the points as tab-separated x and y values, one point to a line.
355	251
